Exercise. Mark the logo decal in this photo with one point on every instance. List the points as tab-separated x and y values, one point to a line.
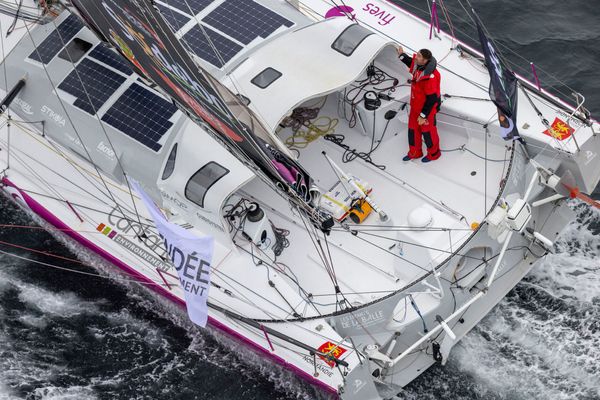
106	231
25	106
155	257
559	130
358	385
589	155
333	350
107	151
54	116
340	11
383	16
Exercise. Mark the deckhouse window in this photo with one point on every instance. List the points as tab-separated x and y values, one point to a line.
266	77
201	181
350	39
170	165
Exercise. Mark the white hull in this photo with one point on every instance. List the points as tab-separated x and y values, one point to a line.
48	179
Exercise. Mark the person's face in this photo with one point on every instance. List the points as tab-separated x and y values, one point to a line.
420	59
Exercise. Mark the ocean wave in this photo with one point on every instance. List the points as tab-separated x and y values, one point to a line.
542	341
59	393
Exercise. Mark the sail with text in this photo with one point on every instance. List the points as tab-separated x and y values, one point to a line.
503	88
138	31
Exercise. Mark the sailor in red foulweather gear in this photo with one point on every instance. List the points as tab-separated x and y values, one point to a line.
425	100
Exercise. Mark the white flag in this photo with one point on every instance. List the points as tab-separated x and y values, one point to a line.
191	255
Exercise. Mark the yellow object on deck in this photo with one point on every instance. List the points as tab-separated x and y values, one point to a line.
360	211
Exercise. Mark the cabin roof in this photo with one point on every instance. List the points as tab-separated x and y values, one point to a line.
305	64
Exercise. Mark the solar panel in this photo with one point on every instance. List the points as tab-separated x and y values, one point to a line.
141	115
186	5
175	19
100	83
245	21
104	54
197	41
54	42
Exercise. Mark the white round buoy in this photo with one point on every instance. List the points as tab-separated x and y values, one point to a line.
420	218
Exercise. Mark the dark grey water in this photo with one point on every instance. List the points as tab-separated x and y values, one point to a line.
68	336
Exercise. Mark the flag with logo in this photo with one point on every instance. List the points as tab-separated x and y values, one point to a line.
559	130
191	255
503	88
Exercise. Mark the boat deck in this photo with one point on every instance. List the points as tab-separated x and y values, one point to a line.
385	257
457	180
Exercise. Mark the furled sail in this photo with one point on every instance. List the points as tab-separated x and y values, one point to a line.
143	37
503	87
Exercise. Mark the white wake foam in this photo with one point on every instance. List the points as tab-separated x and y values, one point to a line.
543	341
70	393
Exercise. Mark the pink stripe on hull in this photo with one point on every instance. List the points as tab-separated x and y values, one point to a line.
59	224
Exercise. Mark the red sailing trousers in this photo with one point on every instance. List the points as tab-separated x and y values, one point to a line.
424	100
428	132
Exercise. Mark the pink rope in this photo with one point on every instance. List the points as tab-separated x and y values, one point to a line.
432	20
435	20
163	278
437	17
74	211
267	337
535	76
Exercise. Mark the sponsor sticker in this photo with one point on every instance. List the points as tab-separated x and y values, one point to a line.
559	130
332	349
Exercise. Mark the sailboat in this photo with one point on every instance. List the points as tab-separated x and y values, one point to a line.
279	128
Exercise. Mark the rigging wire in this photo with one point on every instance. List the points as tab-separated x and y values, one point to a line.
89	219
60	198
12	26
71	122
3	172
471	23
419	245
20	13
80	169
92	274
122	279
321	249
329	256
286	191
83	84
397	256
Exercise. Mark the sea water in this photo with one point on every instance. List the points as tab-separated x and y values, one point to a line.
72	336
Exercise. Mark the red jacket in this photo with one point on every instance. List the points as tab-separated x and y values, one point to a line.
425	88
